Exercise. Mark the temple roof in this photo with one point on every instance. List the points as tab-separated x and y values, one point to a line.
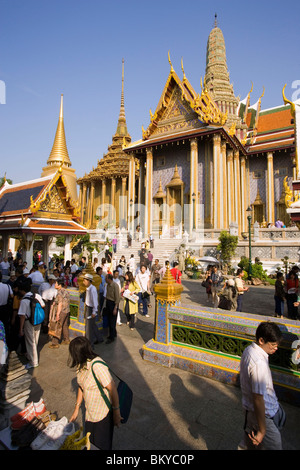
270	129
42	205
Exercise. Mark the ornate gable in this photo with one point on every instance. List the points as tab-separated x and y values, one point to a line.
55	201
181	108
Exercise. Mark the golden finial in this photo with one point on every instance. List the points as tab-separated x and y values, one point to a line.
286	101
172	70
184	77
59	152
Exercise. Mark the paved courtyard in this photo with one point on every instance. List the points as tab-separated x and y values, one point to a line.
172	409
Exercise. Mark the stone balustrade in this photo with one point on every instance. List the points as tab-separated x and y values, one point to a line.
209	342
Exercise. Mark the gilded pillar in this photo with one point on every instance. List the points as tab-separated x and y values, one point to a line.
237	188
141	198
103	195
270	188
149	190
208	189
123	205
224	220
131	193
193	212
230	187
88	205
112	200
83	203
217	180
91	204
243	195
80	195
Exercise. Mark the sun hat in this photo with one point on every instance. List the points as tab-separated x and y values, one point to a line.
89	277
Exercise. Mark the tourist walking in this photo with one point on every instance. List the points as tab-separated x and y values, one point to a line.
114	244
264	417
240	287
59	316
27	329
208	283
292	289
6	300
228	296
92	332
99	419
131	264
155	276
176	273
279	295
216	281
112	304
143	280
116	279
131	306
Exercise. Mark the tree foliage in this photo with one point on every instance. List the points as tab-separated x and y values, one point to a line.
227	246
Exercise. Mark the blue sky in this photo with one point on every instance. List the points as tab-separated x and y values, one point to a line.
76	48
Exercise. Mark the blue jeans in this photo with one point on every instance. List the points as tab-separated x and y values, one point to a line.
239	302
279	305
144	302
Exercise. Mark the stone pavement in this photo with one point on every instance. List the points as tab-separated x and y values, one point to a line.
172	409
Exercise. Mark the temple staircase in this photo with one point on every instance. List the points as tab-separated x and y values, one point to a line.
164	250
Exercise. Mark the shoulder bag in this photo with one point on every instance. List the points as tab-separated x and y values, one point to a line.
124	392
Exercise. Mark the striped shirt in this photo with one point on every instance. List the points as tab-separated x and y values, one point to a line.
256	377
96	408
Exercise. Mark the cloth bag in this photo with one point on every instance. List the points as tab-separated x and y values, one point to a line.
124	392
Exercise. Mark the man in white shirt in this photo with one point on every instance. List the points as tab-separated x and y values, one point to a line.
48	293
92	332
117	281
6	295
36	278
31	332
143	280
240	287
5	267
73	266
264	417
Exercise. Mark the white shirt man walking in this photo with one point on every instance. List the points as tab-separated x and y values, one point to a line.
92	332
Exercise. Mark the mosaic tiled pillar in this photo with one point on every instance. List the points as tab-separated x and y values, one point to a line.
168	292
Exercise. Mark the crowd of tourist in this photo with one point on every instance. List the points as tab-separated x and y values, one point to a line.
228	293
125	285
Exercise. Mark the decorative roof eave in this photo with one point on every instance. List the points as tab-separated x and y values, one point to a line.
267	147
42	226
141	145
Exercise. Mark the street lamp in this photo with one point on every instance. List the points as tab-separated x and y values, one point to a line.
249	217
193	197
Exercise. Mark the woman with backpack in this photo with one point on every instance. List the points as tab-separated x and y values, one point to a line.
228	296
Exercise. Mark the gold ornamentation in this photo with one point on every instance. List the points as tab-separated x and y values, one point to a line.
288	198
168	291
96	279
53	203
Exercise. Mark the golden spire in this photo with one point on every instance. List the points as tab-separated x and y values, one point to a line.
59	152
122	126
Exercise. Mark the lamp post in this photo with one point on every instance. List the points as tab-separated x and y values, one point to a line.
249	217
193	197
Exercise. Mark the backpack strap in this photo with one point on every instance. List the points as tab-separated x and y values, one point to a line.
108	404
